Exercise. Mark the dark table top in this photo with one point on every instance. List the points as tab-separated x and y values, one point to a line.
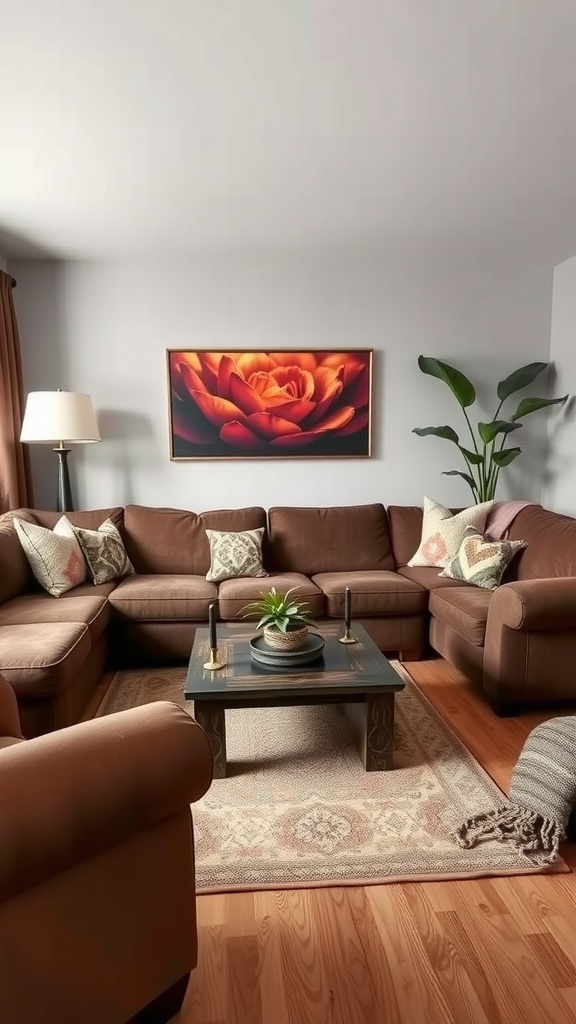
342	669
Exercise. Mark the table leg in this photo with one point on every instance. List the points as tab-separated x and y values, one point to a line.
211	716
378	739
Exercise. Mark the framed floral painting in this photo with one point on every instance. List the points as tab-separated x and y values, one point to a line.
267	405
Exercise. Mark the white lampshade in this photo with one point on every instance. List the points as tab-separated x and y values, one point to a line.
56	416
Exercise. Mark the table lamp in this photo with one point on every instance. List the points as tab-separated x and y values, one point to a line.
60	418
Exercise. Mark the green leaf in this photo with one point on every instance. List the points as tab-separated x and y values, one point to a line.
528	405
506	456
472	457
466	476
447	432
462	388
521	378
488	431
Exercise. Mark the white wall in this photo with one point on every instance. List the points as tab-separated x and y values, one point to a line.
560	488
104	328
3	263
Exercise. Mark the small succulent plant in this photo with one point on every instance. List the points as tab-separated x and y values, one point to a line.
280	610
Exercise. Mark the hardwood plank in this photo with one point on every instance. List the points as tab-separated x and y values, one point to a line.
211	910
418	992
468	975
569	997
272	988
344	935
207	995
559	967
308	998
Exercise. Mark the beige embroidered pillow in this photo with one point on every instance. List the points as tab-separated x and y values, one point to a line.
104	551
482	562
443	532
54	556
235	554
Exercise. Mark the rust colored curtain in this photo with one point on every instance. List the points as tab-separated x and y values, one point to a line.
15	478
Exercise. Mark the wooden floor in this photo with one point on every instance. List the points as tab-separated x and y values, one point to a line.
491	951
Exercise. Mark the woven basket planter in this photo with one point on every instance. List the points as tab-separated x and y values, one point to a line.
290	641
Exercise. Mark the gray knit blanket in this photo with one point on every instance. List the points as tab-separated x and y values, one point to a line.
542	794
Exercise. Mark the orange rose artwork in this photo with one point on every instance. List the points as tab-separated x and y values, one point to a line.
270	404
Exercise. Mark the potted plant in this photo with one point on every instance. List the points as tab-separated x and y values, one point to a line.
489	453
284	620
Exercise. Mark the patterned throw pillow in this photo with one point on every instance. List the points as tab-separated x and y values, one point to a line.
104	551
235	554
482	562
54	556
542	794
443	532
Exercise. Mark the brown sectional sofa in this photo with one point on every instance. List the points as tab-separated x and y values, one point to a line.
518	642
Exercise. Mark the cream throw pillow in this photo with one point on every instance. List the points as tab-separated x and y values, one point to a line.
54	556
481	562
443	532
235	554
104	551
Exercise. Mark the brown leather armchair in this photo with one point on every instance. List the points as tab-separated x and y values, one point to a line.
97	894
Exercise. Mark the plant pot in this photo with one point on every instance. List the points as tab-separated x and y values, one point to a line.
292	640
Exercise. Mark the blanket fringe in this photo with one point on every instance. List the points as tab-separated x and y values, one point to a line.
527	830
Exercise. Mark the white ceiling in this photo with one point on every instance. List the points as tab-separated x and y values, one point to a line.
444	128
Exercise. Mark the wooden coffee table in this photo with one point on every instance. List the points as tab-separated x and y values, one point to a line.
358	676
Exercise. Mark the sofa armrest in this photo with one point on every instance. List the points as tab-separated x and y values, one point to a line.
73	793
536	605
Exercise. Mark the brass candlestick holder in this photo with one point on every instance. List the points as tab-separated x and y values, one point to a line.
347	638
213	665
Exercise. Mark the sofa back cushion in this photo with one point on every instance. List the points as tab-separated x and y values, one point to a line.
346	538
172	540
406	531
550	545
15	573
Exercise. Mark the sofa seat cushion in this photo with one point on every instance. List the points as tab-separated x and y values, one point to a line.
376	593
233	595
465	610
427	576
41	659
93	612
168	598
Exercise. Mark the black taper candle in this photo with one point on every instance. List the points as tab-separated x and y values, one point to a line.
212	626
347	607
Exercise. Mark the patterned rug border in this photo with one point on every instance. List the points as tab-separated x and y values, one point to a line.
207	884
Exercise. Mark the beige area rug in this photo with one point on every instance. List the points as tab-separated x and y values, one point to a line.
299	810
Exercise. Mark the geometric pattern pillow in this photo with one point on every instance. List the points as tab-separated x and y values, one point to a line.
542	794
54	556
104	552
235	554
443	532
482	562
